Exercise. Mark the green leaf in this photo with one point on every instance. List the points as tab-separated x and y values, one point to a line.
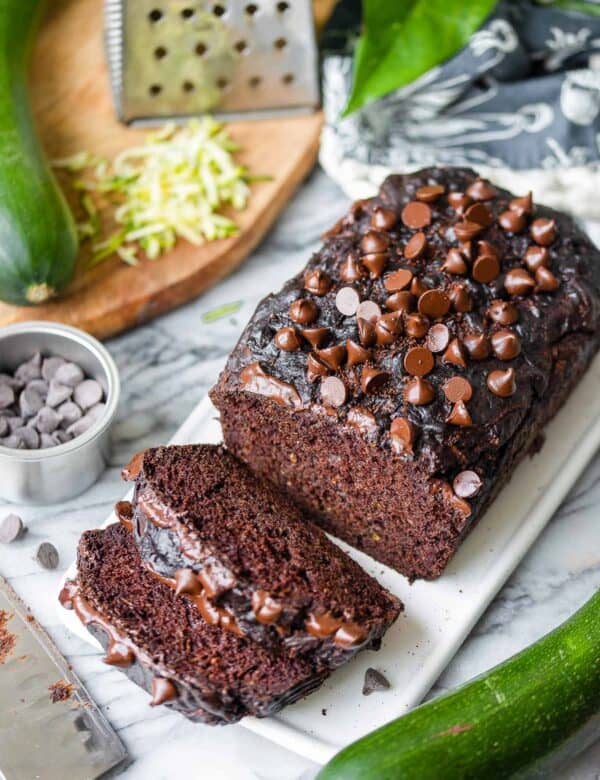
402	39
578	5
222	311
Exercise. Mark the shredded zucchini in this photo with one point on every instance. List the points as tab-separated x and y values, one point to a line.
172	186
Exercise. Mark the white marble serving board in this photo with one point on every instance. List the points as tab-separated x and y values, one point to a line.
439	615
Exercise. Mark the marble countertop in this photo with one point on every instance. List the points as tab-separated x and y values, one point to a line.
166	368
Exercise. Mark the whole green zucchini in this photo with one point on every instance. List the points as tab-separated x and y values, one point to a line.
38	239
536	708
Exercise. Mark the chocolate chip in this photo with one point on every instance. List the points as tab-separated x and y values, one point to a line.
314	368
434	303
459	201
455	354
503	312
454	263
457	388
287	339
47	420
81	426
401	301
545	280
356	353
522	206
30	402
477	345
438	337
61	437
97	411
485	269
302	311
29	370
29	437
460	298
402	433
397	280
346	301
368	310
416	246
480	214
375	263
58	394
333	391
481	190
460	415
366	332
46	441
506	344
40	386
47	555
333	357
14	423
374	680
69	374
351	270
315	336
535	257
543	231
416	215
512	222
419	361
373	379
7	396
317	282
418	391
69	413
11	529
50	366
467	484
502	383
88	394
416	326
6	379
487	248
418	287
466	231
518	282
387	328
4	429
383	219
12	442
374	242
430	193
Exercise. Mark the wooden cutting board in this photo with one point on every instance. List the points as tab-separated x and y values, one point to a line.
72	105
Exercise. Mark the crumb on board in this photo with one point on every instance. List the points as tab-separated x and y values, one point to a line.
7	640
61	691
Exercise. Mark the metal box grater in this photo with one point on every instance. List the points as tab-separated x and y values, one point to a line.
179	58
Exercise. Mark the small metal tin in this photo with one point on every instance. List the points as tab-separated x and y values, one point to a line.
58	473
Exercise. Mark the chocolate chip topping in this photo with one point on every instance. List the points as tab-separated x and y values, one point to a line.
467	231
287	339
456	354
374	242
346	301
401	301
333	357
366	332
373	379
480	214
387	328
518	282
545	281
467	484
418	392
486	268
460	298
369	311
356	353
455	263
383	219
402	433
375	263
512	222
398	280
506	344
416	246
315	368
304	311
418	361
416	326
351	270
416	215
317	282
477	345
315	336
502	383
522	206
163	690
543	231
481	190
434	303
374	680
438	337
333	391
459	201
460	415
457	388
430	193
503	312
535	257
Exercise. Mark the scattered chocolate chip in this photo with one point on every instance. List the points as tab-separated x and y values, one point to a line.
460	298
506	344
460	415
375	263
88	394
333	391
457	388
480	214
477	345
485	269
333	357
416	326
518	282
512	222
7	396
419	361
438	337
522	206
456	354
487	248
466	231
373	379
366	332
351	270
363	419
418	287
397	280
416	246
374	680
374	242
543	231
401	301
481	190
346	301
314	368
430	193
455	263
545	281
503	312
47	555
315	336
287	339
383	219
387	328
416	215
368	310
11	529
535	257
68	374
303	311
434	303
317	282
356	353
459	201
502	383
403	433
418	391
467	484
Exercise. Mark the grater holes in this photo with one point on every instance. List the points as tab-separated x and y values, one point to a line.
188	86
222	83
155	15
201	49
187	13
155	90
287	78
254	81
283	7
251	9
240	46
280	43
219	10
160	52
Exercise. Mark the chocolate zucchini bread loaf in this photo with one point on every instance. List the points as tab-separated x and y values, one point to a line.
164	645
392	387
244	555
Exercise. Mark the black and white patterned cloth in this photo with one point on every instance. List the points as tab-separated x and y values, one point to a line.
520	103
